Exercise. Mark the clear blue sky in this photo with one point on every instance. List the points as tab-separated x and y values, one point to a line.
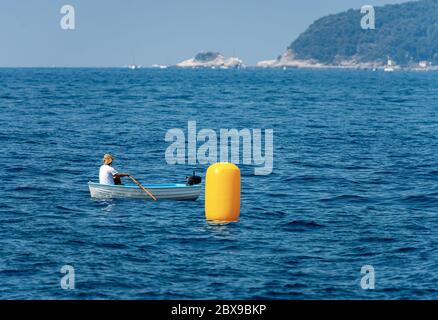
114	33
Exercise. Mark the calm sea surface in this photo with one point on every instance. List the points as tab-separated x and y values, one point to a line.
355	183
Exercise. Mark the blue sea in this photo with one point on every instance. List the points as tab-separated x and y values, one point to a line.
355	183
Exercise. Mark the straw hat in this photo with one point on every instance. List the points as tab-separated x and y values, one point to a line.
108	158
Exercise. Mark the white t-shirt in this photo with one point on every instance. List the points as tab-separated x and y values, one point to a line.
106	173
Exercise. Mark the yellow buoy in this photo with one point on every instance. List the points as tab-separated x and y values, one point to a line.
222	193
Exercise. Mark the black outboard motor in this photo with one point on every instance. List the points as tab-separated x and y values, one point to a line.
194	179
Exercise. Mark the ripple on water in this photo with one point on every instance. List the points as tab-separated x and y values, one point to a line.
301	226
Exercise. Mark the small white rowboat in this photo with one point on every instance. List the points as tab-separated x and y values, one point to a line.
160	191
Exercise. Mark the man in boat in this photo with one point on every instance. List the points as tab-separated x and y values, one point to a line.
109	175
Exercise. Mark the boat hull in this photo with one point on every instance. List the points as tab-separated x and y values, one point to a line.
179	192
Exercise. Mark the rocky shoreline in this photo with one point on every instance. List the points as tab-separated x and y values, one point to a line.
289	60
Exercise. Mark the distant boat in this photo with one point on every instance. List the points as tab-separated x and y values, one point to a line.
390	66
159	66
134	66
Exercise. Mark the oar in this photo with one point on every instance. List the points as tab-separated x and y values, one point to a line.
143	188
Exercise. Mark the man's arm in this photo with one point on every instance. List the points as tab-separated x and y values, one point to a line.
120	175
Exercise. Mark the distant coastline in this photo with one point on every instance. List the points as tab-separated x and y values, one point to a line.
254	67
338	41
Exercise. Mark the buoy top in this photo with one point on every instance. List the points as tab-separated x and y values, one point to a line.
223	165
